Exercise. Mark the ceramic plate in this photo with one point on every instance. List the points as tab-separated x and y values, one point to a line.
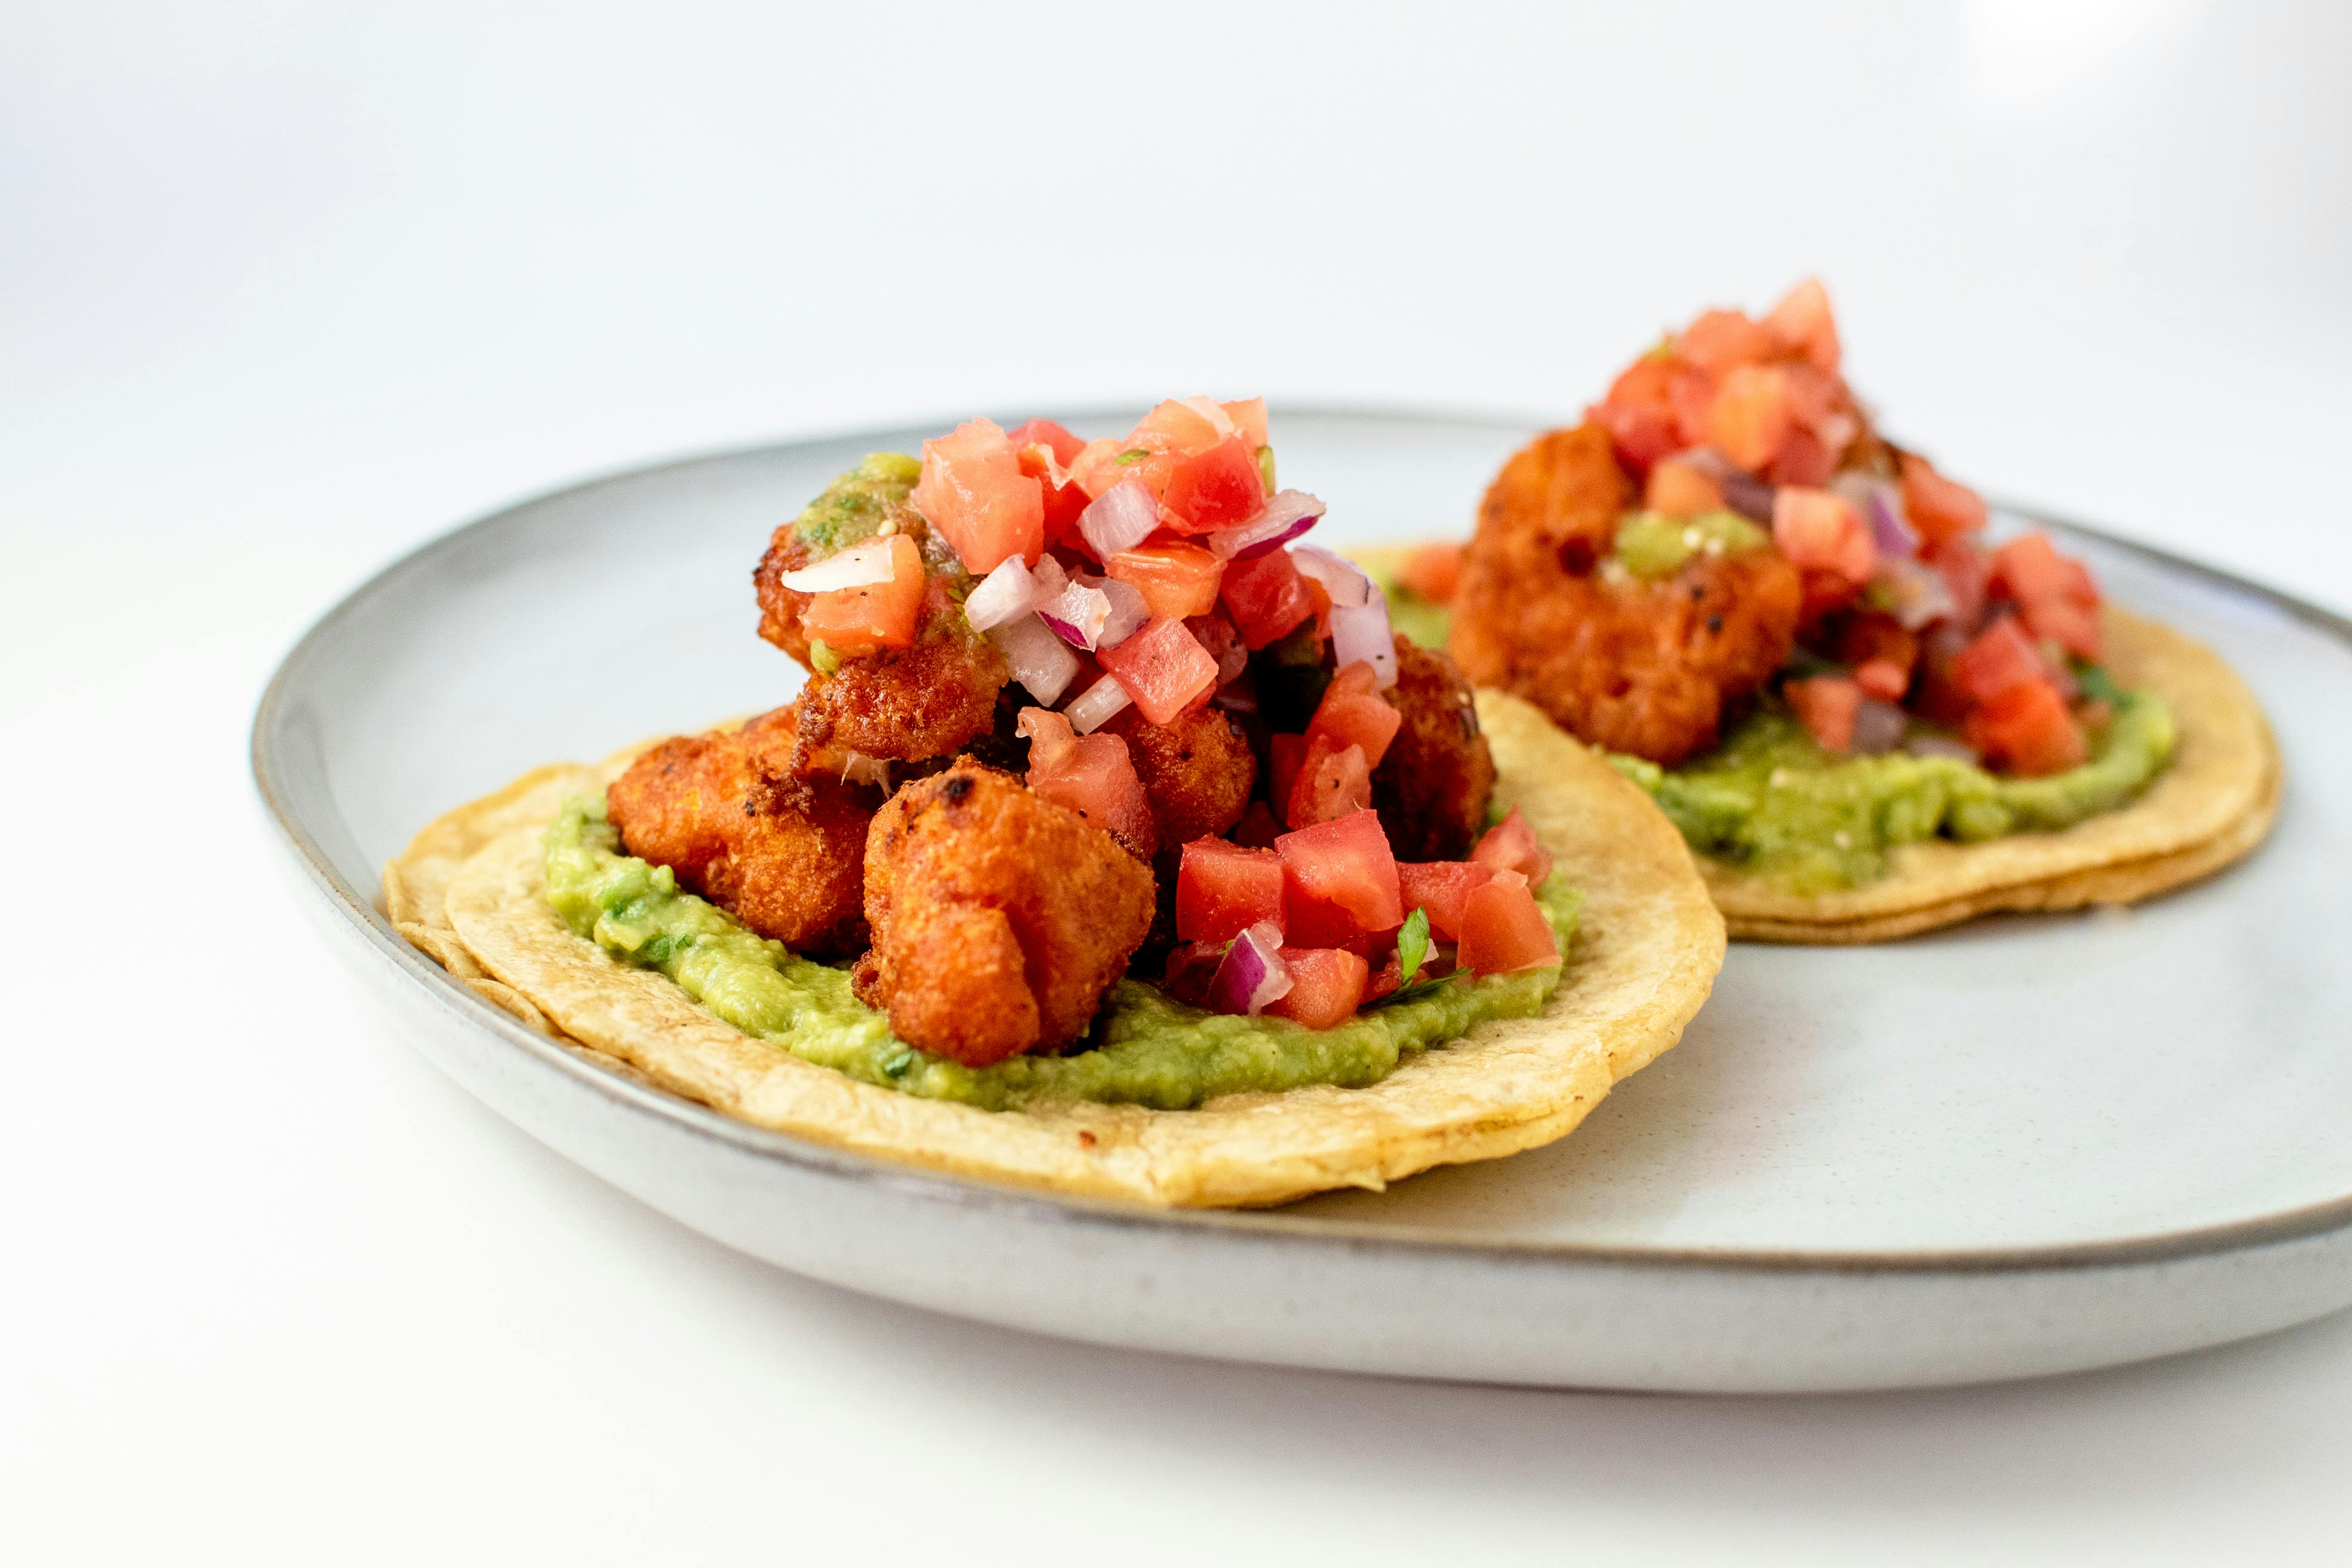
2025	1145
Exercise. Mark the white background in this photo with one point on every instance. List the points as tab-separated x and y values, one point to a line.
285	289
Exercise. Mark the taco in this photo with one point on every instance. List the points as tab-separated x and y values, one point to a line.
1114	844
1868	717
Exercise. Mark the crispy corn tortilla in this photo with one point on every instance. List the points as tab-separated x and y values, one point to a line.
1648	944
2210	808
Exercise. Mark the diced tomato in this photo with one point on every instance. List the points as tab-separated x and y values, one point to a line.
1334	779
1248	415
1826	706
1176	580
1108	462
1967	570
1883	679
1346	863
1692	393
1721	341
1318	599
1219	487
1327	987
1216	634
1434	571
1803	322
1639	415
1812	396
1163	667
1443	888
974	491
853	621
1064	499
1285	753
1874	635
1511	846
1222	890
1679	489
1353	710
1823	593
2065	622
1802	461
1091	774
1818	531
1936	695
1504	928
1052	437
1266	597
1748	420
1939	508
2028	567
2001	657
1176	427
2027	729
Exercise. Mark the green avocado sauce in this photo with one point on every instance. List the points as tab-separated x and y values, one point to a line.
1651	546
1146	1049
854	508
1769	798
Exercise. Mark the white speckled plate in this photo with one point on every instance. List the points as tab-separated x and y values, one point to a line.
2026	1145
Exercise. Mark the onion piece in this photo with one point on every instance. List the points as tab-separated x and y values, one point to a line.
1096	705
860	566
1127	612
1881	506
1877	728
1077	613
1341	579
1289	514
1251	973
1361	632
1121	517
1041	662
1919	594
1210	409
1003	595
1750	498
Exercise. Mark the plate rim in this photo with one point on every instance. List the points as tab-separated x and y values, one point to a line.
358	909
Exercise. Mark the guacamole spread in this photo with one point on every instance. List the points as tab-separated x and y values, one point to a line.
1146	1049
1769	798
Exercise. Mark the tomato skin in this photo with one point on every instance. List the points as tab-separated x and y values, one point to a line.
1511	846
2001	657
1333	781
1353	712
1434	571
1248	415
1803	322
1504	928
1046	433
1266	597
1163	667
1819	531
1223	890
1347	863
1177	581
1826	705
974	491
1678	489
1967	570
1327	987
1801	460
1721	341
1881	678
1219	487
1939	508
853	621
1094	777
1639	415
1176	427
2027	729
1442	888
2056	595
1749	421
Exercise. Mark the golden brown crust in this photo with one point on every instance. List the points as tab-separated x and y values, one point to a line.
999	918
1196	770
1647	952
1644	668
908	704
1433	788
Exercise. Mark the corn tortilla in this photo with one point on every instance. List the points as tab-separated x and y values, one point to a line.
471	892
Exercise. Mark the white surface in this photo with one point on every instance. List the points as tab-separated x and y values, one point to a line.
285	289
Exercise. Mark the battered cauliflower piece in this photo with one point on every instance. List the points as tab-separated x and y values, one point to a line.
725	812
999	918
1646	668
1433	788
908	704
1196	769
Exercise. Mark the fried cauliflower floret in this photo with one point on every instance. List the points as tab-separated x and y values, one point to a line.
999	918
909	704
1640	667
1432	787
1196	770
781	854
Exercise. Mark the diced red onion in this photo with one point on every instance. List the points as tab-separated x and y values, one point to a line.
1939	746
1881	506
1921	597
859	566
1041	662
1289	514
1341	579
1003	595
1121	517
1707	461
1253	973
1096	705
1127	612
1877	728
1213	412
1750	498
1077	613
1361	632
